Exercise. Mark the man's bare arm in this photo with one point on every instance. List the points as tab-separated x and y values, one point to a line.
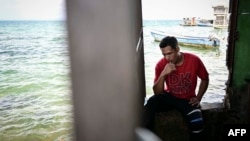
158	87
202	88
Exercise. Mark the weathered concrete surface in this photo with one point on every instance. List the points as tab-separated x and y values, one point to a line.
170	126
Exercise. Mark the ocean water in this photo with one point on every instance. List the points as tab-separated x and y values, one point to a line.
35	88
35	94
214	59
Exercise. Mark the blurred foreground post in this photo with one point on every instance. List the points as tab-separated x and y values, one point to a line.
107	83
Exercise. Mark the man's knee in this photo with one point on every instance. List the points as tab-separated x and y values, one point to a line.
195	121
155	99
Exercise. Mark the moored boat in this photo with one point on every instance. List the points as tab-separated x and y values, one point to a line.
205	23
210	41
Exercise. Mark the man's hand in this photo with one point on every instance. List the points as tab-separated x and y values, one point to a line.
194	101
168	68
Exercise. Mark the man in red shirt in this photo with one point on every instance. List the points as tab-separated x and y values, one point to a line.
174	87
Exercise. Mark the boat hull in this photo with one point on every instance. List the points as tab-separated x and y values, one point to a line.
194	41
220	26
205	24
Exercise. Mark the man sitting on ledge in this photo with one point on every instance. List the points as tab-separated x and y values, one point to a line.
174	87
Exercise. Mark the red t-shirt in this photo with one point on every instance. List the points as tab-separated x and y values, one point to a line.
182	82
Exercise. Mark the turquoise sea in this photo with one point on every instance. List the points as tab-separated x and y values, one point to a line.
35	89
35	95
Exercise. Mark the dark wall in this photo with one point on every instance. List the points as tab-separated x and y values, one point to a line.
239	89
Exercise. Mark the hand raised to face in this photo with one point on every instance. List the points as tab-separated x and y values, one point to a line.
170	67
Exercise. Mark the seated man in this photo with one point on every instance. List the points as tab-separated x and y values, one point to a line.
174	87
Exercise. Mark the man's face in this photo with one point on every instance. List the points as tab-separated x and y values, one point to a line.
170	54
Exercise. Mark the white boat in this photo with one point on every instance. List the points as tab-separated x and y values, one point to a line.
210	41
205	23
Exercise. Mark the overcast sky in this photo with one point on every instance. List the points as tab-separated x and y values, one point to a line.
152	9
178	9
32	9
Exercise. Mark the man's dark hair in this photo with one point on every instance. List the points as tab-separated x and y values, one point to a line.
169	41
